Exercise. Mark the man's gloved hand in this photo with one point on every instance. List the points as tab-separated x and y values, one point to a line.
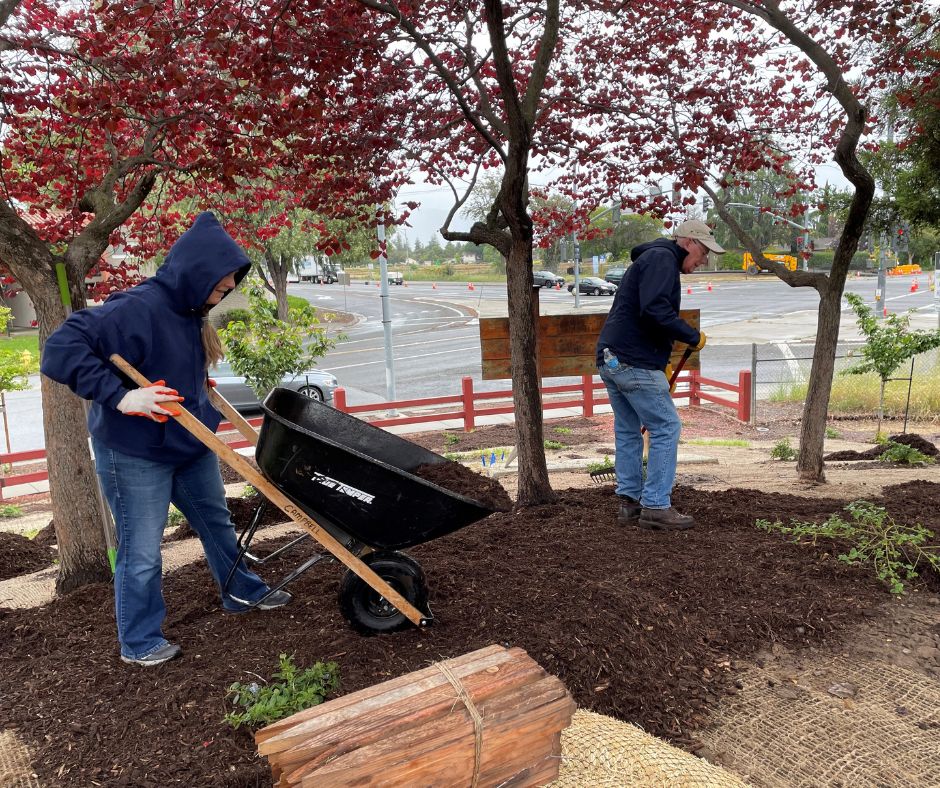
151	402
701	341
211	383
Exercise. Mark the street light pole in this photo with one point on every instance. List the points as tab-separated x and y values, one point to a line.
386	309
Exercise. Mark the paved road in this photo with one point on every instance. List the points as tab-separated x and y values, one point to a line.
435	333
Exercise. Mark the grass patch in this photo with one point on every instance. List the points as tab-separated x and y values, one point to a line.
563	430
852	394
10	511
553	445
18	344
718	442
832	432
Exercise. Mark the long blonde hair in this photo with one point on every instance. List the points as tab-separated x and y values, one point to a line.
211	343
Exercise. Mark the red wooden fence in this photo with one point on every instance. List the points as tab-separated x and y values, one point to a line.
465	406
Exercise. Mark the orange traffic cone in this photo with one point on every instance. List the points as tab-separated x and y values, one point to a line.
709	288
689	290
470	286
885	311
434	285
914	286
557	285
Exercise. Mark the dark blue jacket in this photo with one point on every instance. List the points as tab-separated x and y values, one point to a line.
644	318
156	326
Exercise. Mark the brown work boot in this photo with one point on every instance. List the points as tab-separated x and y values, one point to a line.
664	520
629	511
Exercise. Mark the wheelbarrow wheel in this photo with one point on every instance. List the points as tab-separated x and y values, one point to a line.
368	611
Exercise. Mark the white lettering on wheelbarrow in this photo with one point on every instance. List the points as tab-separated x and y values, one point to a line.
334	484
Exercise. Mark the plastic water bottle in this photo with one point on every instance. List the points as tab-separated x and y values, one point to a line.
610	360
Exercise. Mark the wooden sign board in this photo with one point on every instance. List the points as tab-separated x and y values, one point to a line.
565	344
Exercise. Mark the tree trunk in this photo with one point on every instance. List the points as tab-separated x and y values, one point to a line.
881	409
809	465
72	481
534	486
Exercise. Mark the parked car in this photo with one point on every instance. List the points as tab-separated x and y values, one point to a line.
395	278
592	285
313	383
615	276
547	279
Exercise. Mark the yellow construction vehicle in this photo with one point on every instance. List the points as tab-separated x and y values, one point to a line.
750	266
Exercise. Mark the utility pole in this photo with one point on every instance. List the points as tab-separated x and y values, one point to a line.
880	295
386	308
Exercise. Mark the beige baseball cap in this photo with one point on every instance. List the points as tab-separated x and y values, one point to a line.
699	231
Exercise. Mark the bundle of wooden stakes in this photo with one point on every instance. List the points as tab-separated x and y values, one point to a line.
482	719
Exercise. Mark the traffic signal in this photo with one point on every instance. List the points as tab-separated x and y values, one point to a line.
615	213
901	239
706	204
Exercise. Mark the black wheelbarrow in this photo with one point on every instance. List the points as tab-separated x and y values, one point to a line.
351	486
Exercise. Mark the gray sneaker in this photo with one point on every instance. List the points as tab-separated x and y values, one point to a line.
273	601
158	657
664	520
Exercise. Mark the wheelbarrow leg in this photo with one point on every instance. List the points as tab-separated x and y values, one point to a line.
285	504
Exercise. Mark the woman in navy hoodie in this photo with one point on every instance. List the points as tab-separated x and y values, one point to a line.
145	460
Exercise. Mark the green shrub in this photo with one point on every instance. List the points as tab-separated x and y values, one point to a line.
782	450
832	432
294	691
249	492
894	551
904	454
606	465
563	430
235	316
10	511
450	439
553	444
175	517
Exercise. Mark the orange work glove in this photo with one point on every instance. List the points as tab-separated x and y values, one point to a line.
151	402
701	341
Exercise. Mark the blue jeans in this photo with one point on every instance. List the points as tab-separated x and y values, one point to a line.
139	493
641	397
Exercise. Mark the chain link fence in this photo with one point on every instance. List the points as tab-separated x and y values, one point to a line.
780	373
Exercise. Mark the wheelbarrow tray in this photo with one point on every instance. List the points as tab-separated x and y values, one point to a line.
357	477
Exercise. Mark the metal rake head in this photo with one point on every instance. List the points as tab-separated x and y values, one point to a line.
603	476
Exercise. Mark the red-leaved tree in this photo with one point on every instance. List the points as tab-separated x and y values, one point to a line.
117	113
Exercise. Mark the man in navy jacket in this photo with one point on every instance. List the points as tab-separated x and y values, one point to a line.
633	351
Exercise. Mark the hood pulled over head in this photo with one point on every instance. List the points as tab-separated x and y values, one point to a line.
201	257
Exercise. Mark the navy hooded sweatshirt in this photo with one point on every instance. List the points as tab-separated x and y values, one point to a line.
156	326
644	319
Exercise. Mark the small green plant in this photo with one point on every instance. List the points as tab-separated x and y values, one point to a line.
563	430
175	517
718	442
249	491
881	438
832	432
10	511
553	444
894	551
293	690
782	450
904	454
606	465
450	439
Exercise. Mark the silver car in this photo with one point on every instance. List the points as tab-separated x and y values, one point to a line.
313	383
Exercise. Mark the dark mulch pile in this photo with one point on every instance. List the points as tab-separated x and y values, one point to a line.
46	537
19	555
644	626
461	480
571	432
922	445
242	509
